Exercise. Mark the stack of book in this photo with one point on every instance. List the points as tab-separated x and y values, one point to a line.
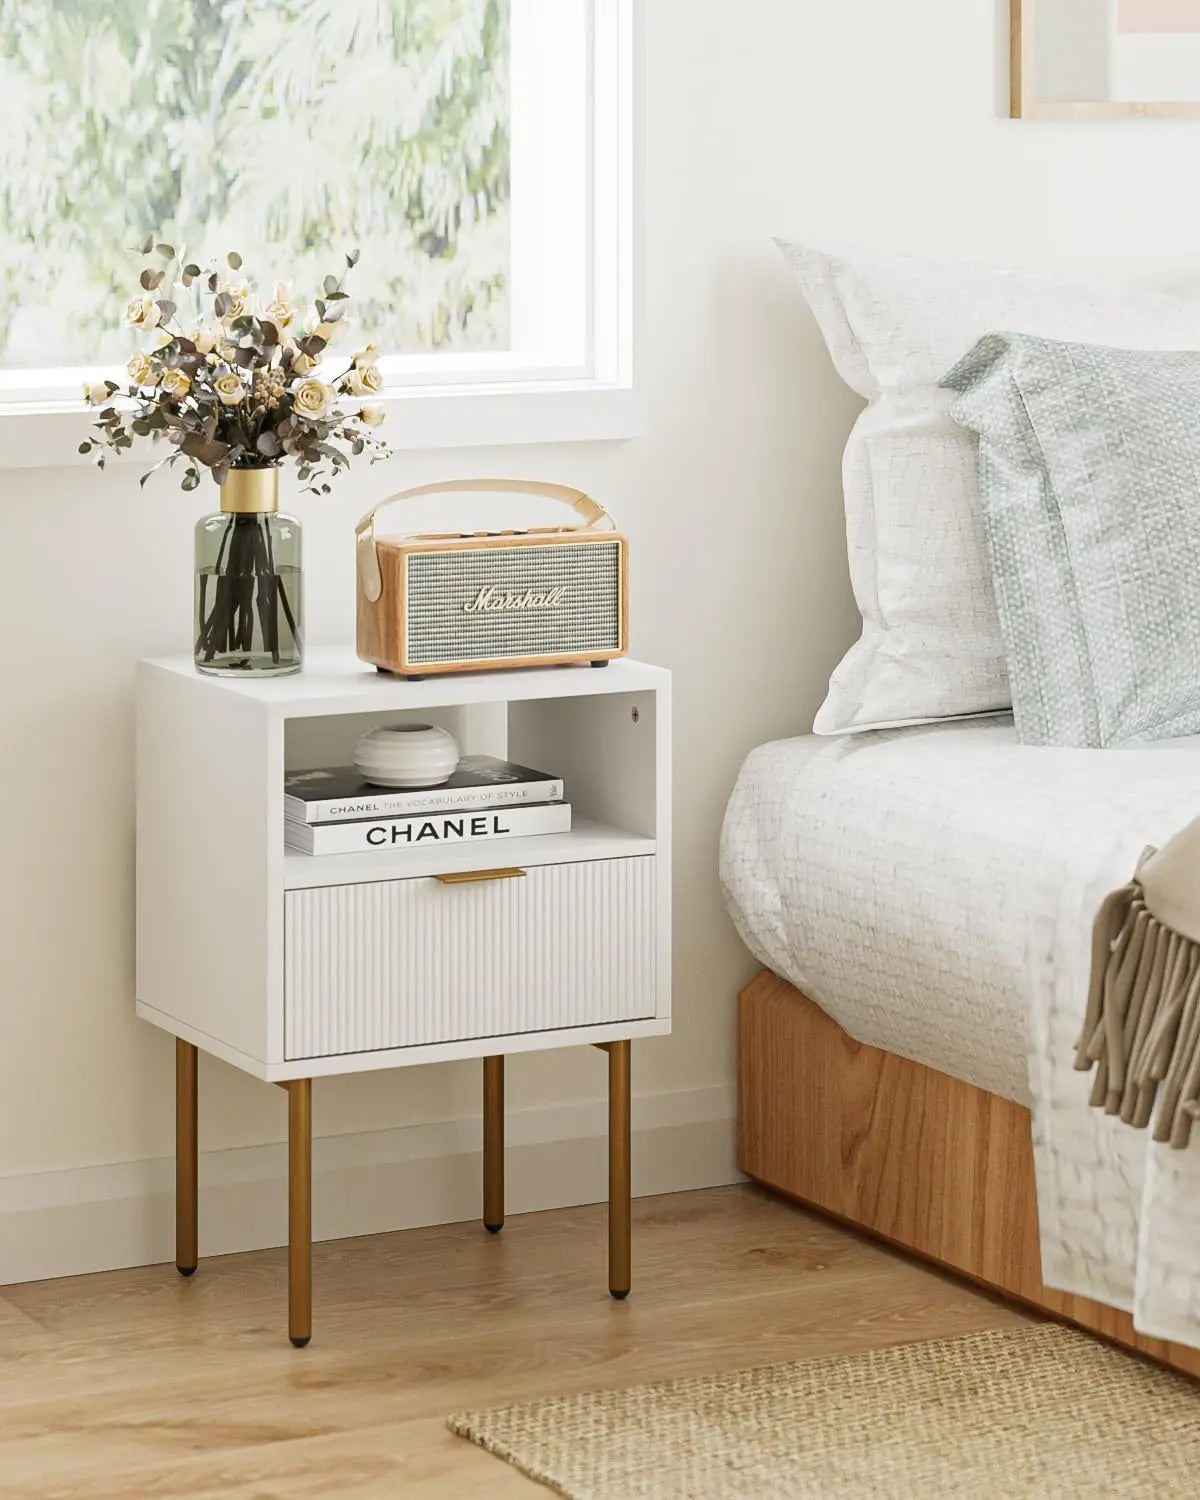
336	812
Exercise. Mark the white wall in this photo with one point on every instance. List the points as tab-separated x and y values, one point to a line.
856	121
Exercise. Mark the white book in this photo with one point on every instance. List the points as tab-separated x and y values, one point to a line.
427	831
339	794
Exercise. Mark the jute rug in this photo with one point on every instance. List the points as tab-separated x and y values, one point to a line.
1042	1413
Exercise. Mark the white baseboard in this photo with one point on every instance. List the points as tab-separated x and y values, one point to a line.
101	1218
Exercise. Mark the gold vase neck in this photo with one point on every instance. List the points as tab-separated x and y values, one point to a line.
250	492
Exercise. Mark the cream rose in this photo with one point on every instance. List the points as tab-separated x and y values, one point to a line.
364	380
205	339
365	357
95	395
280	314
229	389
302	363
239	292
312	400
142	312
326	331
372	416
141	371
176	382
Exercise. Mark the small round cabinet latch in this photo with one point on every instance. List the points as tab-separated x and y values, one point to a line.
635	714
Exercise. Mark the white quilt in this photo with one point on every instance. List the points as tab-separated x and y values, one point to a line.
933	891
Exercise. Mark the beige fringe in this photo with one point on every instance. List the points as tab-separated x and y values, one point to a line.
1142	1026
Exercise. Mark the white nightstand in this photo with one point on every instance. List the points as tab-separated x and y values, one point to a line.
292	967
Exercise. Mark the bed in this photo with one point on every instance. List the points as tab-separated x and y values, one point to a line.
921	902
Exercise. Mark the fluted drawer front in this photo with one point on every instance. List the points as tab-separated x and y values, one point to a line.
402	963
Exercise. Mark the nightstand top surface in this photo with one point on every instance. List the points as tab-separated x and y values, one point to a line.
334	680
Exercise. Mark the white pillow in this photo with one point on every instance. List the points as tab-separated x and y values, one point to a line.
930	646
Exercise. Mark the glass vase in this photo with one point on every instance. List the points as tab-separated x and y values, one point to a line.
249	585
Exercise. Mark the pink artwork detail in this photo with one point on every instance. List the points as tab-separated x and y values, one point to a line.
1158	17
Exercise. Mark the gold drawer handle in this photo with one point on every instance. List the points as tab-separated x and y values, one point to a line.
468	877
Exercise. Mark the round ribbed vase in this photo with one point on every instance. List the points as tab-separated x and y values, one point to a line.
406	755
249	594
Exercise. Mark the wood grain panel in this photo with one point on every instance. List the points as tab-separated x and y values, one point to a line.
915	1156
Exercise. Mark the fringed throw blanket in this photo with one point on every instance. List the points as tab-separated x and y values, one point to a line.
1142	1027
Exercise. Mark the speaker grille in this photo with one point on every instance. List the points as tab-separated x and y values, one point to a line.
441	585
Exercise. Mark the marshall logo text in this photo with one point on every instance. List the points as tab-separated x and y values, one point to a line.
493	600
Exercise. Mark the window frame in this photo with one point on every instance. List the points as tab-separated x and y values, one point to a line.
490	398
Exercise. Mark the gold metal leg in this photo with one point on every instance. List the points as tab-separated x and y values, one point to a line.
300	1211
493	1144
619	1206
186	1167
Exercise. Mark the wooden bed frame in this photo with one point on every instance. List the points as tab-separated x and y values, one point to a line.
913	1156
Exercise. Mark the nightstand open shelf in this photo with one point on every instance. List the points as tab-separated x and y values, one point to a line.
293	967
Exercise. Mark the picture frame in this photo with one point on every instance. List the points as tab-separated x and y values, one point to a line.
1085	59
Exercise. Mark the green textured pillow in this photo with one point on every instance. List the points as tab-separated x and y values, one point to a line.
1089	477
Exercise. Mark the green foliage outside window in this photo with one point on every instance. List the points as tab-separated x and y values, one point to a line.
293	129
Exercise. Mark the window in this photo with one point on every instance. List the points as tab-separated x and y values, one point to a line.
477	152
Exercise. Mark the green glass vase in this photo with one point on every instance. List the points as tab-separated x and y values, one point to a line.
249	584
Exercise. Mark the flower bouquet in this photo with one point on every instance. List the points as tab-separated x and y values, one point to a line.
240	386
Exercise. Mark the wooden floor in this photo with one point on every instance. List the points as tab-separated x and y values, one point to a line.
139	1384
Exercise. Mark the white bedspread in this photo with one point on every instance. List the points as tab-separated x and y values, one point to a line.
933	891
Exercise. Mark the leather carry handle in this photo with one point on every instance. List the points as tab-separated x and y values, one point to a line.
370	579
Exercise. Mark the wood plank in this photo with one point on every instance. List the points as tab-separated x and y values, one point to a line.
140	1383
922	1159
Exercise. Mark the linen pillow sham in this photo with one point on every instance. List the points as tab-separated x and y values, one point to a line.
1089	471
931	645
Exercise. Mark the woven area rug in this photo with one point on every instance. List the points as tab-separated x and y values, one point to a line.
1043	1412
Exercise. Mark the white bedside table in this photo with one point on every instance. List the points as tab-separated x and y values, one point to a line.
293	967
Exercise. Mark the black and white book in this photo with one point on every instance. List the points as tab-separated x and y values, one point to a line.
427	830
340	795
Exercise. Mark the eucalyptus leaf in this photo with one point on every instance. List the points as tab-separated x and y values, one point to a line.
235	260
166	251
147	245
330	285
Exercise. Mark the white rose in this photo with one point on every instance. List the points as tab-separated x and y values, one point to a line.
176	383
95	395
372	416
229	389
205	339
140	370
142	312
312	400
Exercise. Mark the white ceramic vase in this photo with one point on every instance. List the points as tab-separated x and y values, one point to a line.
406	755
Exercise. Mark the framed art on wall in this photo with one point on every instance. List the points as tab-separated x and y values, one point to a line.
1105	59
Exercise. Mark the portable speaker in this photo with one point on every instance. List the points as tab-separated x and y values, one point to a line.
465	602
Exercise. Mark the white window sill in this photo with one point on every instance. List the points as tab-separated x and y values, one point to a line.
48	436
